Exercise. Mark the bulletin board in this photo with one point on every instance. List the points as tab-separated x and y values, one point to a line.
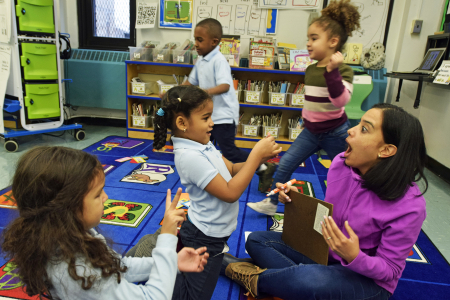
290	4
176	14
375	20
238	17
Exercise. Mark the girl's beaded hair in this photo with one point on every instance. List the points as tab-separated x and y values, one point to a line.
340	19
181	99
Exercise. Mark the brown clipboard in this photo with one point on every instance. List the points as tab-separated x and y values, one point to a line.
298	227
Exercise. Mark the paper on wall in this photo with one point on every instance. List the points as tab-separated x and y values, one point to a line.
443	77
5	62
5	21
146	14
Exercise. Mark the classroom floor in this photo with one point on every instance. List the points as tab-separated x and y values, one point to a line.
437	196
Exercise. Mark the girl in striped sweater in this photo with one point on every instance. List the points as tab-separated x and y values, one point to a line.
328	88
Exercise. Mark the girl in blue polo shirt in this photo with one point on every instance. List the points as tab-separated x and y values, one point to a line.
214	184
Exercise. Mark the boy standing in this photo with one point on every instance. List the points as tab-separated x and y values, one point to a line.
213	74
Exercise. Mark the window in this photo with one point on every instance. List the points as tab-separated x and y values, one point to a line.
106	24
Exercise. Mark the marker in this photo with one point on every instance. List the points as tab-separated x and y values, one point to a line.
289	183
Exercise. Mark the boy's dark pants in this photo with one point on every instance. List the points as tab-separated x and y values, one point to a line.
199	286
224	135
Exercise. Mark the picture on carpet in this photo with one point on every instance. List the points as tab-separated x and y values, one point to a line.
122	143
124	213
10	283
149	173
7	200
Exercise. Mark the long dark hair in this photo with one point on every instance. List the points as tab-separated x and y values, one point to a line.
339	18
391	177
49	186
180	99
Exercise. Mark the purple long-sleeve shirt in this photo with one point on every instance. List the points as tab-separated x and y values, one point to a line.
387	230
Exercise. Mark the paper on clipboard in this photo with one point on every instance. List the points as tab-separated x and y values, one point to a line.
299	232
5	21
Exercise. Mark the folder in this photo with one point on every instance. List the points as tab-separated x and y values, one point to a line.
298	230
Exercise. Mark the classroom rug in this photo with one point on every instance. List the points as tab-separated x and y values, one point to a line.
137	179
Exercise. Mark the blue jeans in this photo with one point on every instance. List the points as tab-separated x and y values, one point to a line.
305	145
224	135
291	275
199	286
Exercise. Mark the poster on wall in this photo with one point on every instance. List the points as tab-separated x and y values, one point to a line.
176	14
236	16
272	21
290	4
146	14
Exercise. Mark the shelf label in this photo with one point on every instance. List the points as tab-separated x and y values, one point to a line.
165	88
252	97
138	87
137	55
160	57
258	61
273	130
180	58
298	99
237	95
139	121
277	98
251	130
294	132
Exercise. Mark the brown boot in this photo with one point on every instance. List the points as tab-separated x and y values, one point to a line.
245	274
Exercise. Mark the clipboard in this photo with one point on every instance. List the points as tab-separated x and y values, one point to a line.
298	227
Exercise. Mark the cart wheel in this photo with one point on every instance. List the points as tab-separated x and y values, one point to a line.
11	145
80	134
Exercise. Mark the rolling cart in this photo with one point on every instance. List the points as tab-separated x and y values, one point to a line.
35	52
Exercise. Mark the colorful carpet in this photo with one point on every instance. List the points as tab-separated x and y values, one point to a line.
136	191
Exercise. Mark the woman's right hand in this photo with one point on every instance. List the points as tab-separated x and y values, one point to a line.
267	148
282	195
173	216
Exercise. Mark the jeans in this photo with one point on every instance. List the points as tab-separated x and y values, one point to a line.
291	275
305	145
224	135
199	286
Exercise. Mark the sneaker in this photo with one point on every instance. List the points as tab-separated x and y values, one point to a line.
265	207
265	177
246	275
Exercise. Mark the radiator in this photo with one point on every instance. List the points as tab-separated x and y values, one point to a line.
98	78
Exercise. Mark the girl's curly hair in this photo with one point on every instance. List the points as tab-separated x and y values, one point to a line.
339	18
49	186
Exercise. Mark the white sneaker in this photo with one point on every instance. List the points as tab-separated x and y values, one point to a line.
265	207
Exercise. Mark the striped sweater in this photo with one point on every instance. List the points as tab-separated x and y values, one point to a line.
326	94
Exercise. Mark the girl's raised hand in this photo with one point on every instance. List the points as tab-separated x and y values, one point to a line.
335	61
266	148
191	260
173	216
282	195
347	248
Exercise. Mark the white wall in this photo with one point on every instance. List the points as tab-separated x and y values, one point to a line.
404	53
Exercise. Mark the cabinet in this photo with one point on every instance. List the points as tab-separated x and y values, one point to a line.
136	68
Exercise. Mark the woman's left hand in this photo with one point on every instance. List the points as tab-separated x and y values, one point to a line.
347	248
192	260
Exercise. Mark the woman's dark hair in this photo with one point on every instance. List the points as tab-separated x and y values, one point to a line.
49	186
180	99
339	18
391	177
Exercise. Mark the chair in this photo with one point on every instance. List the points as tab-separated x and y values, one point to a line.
353	108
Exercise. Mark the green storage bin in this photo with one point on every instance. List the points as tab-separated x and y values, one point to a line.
39	61
35	16
42	101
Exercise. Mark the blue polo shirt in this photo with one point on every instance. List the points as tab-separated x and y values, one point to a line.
213	70
197	165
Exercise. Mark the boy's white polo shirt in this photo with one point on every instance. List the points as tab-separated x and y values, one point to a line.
197	165
210	71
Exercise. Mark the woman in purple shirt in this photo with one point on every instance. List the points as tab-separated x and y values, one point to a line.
377	216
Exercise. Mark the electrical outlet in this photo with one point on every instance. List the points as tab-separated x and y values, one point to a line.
416	26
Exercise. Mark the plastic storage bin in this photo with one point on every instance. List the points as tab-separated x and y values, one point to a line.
42	101
297	100
141	88
261	62
181	56
142	121
35	16
39	61
274	131
250	130
161	55
194	56
141	53
277	98
233	59
163	88
294	133
238	94
252	97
